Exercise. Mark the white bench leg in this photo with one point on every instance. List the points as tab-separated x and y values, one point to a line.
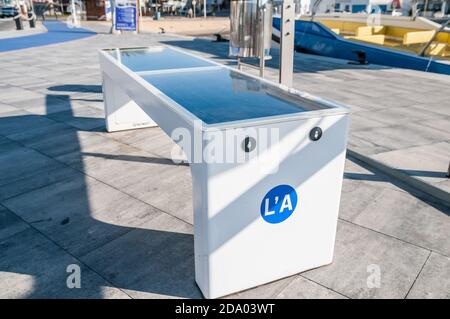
121	112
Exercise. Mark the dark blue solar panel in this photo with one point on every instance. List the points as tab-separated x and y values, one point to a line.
221	95
138	60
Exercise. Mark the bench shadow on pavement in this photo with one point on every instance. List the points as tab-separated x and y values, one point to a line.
88	88
132	258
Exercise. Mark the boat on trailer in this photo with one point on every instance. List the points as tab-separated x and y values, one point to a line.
402	42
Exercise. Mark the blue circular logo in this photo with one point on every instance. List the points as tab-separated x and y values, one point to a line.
278	204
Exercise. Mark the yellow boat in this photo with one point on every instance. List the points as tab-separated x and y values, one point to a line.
401	33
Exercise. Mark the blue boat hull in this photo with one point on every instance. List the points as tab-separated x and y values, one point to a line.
312	37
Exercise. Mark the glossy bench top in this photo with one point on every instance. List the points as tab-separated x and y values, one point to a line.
211	92
147	59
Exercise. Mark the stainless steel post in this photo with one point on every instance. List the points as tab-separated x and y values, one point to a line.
287	32
262	54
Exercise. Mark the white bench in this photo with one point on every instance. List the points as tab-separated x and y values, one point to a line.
269	209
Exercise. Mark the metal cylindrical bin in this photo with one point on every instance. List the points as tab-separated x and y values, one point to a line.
18	21
250	27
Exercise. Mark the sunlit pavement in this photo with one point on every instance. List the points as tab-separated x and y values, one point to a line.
115	204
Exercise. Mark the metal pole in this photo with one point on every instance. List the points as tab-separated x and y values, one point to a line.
261	41
448	170
74	14
204	9
113	17
287	32
140	16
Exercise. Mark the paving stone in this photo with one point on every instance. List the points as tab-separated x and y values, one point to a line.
6	108
10	224
131	137
302	288
428	163
360	121
37	135
4	140
357	250
41	178
67	147
42	83
95	102
23	169
16	95
441	123
6	145
12	113
430	96
153	188
95	146
5	76
402	136
434	280
33	267
357	194
91	83
159	144
23	81
365	146
19	121
44	105
82	117
445	185
378	103
80	214
267	291
439	107
398	115
401	215
143	175
154	261
152	140
357	175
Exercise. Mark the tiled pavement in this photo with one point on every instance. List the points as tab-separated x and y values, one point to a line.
70	193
